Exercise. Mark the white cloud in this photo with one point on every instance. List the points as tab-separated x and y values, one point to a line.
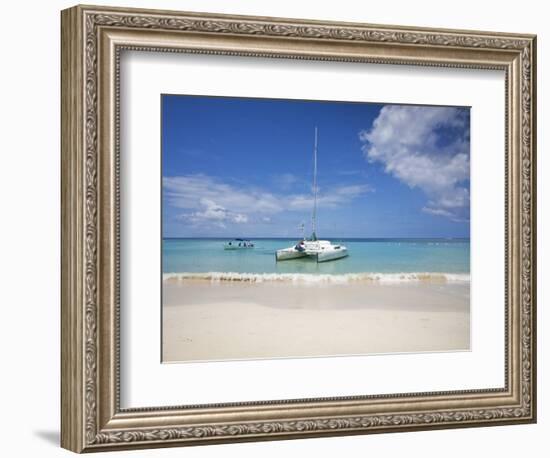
240	218
206	200
192	191
214	213
441	212
285	181
340	195
408	141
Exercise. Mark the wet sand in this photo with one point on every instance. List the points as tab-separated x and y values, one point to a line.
236	320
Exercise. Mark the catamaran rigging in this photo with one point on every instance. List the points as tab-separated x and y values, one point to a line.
321	250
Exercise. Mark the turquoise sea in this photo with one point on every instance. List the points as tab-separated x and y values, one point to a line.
406	258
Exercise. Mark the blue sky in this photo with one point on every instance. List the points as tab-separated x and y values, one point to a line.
236	167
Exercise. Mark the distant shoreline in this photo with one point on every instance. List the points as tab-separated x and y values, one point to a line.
351	239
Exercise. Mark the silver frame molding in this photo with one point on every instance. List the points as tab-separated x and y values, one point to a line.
92	40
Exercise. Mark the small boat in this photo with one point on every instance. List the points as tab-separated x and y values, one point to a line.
322	250
238	244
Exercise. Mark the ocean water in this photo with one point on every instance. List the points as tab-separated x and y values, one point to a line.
375	259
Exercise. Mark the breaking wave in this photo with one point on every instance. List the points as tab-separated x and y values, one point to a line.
364	277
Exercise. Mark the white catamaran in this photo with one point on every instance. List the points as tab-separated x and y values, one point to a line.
322	250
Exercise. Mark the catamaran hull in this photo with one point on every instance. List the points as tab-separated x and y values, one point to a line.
331	255
283	255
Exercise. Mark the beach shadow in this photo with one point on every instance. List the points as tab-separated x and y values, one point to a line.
52	437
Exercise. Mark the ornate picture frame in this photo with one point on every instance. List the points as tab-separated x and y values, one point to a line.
92	41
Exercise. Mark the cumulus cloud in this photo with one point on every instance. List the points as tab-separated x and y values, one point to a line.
215	213
207	200
426	148
195	191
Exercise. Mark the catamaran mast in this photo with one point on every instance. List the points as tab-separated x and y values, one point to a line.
314	216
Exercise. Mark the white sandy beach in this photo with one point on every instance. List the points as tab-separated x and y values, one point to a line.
239	320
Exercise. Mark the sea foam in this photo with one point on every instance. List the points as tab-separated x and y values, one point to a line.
218	277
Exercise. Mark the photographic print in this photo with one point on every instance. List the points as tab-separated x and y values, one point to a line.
300	228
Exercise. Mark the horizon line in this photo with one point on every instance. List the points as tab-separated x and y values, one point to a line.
328	237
